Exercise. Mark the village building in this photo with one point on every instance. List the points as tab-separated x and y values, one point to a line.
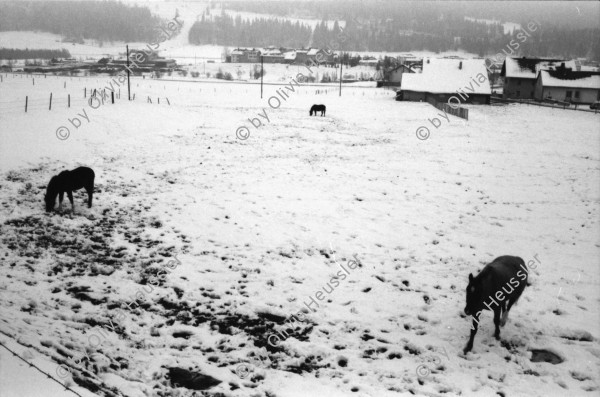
368	61
289	57
245	55
301	57
162	63
520	74
442	79
393	76
566	85
320	56
272	55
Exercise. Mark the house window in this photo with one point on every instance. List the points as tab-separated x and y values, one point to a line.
518	94
518	82
576	94
569	94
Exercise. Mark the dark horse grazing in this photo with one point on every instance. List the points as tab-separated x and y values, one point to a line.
497	288
318	108
67	181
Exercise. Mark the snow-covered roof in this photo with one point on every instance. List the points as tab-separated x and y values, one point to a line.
528	68
445	76
272	52
291	55
313	51
570	79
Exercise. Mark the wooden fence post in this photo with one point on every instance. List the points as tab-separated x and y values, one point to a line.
69	100
84	92
112	97
26	98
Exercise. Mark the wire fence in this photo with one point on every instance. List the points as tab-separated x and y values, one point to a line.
40	370
553	105
458	111
51	93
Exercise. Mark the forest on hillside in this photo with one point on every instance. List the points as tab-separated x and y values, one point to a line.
225	30
77	20
435	26
16	53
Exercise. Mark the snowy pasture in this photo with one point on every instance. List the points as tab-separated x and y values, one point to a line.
260	226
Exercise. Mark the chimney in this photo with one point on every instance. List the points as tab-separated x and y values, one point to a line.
460	65
427	60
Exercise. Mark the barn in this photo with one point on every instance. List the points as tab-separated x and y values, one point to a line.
394	74
465	80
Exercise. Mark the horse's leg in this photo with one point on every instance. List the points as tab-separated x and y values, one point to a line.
90	193
61	195
70	196
497	311
505	314
473	332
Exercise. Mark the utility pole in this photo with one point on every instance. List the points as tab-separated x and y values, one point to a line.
261	75
128	85
341	74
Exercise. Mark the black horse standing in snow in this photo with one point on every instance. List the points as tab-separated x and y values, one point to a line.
67	181
318	108
506	275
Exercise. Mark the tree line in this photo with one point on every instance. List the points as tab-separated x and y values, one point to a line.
78	20
225	30
14	53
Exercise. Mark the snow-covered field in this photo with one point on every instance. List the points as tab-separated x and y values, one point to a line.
259	226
